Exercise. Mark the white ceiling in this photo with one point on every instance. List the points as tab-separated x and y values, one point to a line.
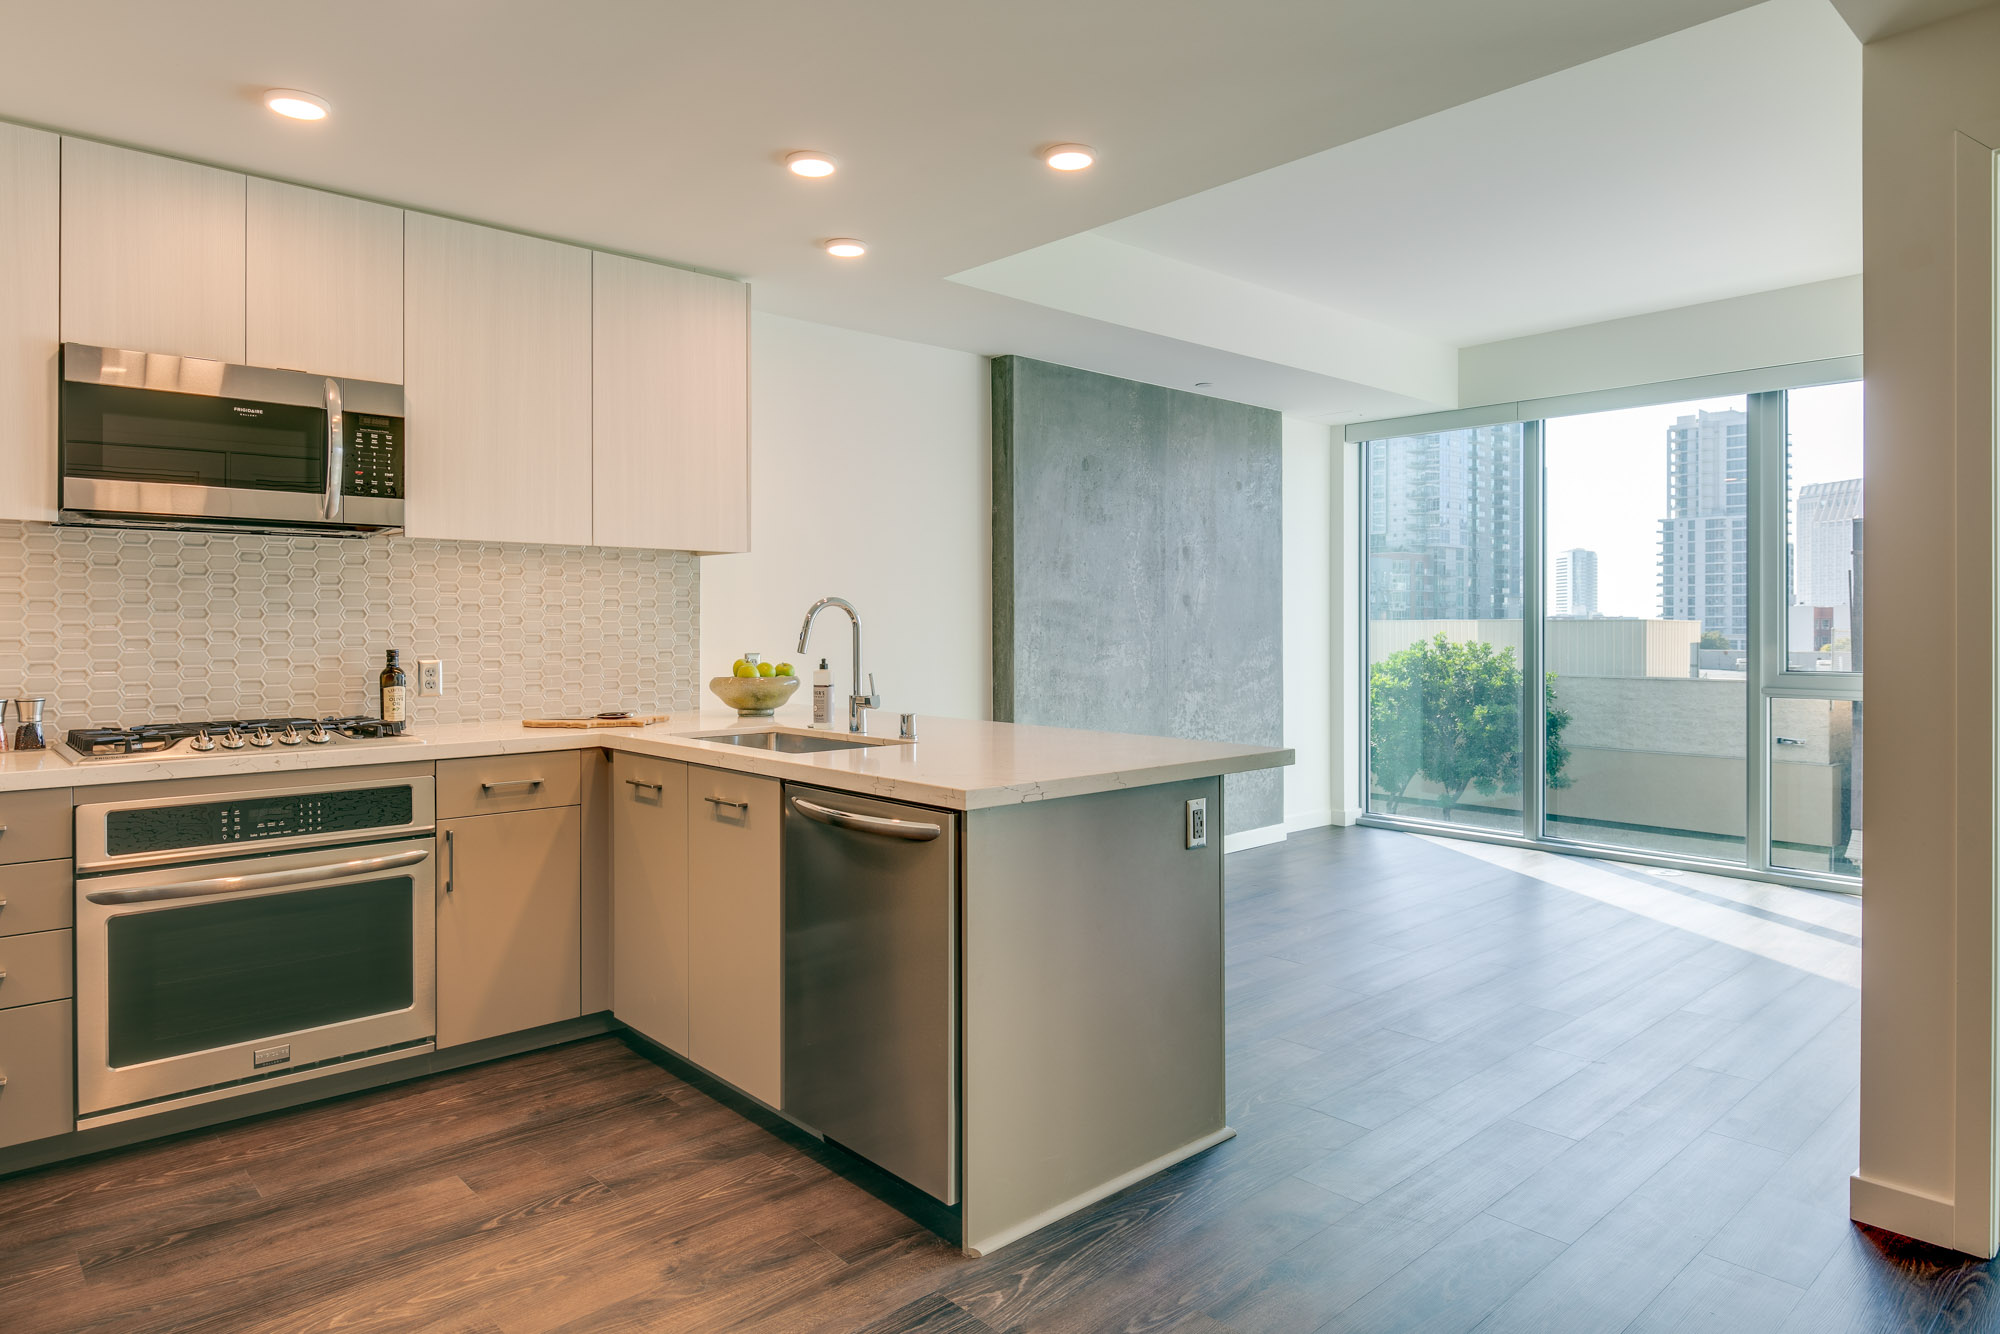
654	127
1715	162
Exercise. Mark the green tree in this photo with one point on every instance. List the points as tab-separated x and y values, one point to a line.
1713	639
1450	713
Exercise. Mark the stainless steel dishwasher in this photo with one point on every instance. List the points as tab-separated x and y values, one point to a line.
871	981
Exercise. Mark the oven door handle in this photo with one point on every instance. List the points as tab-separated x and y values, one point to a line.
232	884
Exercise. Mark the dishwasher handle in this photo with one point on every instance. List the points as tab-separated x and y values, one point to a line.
911	831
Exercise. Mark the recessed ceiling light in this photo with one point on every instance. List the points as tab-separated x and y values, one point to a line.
1068	157
844	247
297	105
805	162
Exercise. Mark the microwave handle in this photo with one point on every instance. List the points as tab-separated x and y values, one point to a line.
336	453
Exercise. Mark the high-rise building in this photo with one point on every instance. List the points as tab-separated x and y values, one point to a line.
1823	543
1575	591
1705	537
1444	525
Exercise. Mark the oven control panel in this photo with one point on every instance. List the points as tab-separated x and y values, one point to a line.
137	830
374	456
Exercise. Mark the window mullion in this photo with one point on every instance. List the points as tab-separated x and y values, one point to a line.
1534	570
1764	500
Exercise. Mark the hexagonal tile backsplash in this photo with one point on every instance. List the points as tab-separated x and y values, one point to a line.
118	627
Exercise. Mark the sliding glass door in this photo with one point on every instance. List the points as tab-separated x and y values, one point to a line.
1682	579
1645	629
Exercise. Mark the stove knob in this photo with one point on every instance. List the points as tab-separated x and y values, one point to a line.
319	736
290	736
232	740
202	741
259	737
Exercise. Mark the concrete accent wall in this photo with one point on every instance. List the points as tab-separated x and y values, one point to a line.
1138	565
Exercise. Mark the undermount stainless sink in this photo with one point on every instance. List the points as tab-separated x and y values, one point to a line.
789	743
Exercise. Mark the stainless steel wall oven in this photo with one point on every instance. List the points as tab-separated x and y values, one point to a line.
229	939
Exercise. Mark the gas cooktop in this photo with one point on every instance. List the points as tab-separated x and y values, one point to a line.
232	736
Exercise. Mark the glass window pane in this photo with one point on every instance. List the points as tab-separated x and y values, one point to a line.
1823	528
1444	625
1648	619
1816	785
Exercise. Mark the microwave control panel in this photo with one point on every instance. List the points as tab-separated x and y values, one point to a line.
374	456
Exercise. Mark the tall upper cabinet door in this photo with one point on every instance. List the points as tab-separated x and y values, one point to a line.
672	382
496	370
323	283
30	260
152	253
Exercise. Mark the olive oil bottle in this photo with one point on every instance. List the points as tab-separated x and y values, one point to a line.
395	696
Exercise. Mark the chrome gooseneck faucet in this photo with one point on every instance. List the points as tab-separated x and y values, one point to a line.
857	703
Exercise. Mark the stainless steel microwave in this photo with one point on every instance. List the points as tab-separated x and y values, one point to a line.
156	441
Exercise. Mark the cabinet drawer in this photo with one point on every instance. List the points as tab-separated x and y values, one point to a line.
34	826
36	1046
34	969
506	783
36	896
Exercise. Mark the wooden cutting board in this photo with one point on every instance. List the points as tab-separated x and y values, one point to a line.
635	720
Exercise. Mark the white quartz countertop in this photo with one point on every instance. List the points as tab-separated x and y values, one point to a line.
955	763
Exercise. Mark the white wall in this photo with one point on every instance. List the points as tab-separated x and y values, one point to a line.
870	479
1308	517
1932	109
1811	322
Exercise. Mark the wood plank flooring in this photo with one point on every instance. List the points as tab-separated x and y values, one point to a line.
1466	1098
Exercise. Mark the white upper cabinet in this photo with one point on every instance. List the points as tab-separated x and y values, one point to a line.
324	283
671	394
30	286
497	384
152	253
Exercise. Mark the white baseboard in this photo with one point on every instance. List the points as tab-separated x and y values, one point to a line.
1319	819
1906	1212
1253	838
1347	816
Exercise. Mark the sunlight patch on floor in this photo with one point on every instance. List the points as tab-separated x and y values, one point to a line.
1809	951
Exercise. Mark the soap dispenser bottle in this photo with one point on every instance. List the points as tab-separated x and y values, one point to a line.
822	696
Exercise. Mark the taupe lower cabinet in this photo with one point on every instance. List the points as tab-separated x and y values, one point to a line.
696	916
736	930
649	917
509	933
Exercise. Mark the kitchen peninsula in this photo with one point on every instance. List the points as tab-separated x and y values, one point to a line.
1064	962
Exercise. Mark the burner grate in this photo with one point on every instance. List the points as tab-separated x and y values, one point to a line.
156	738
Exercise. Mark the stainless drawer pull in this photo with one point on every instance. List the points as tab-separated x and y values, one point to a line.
657	787
230	884
743	806
530	783
914	831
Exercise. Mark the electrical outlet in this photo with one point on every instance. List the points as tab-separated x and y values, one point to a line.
1197	822
430	676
